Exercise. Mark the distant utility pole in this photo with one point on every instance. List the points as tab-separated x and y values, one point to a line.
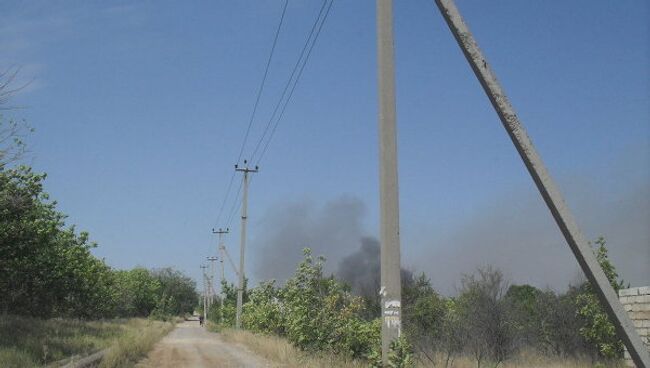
205	294
242	247
221	249
391	294
212	275
222	255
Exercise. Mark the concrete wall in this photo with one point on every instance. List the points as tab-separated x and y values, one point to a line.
636	302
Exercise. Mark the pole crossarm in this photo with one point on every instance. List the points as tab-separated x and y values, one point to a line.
545	184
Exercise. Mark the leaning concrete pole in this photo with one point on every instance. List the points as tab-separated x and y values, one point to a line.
389	203
244	217
545	184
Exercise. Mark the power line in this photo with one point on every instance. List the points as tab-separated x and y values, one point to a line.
252	118
277	122
299	66
235	202
261	88
225	199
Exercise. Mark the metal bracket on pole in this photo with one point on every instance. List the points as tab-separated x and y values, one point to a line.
545	184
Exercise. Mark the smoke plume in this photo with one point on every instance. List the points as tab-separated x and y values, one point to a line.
333	231
361	269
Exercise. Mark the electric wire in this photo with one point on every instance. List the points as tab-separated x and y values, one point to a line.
255	105
261	87
225	198
235	203
277	122
293	73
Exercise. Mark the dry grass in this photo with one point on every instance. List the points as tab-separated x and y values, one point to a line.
135	344
31	342
525	359
281	352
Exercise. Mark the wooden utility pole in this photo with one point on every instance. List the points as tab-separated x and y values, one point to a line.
391	294
244	216
545	184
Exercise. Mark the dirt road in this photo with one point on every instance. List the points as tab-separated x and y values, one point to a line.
191	346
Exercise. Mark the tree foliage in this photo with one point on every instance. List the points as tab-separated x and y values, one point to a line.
598	329
313	311
47	268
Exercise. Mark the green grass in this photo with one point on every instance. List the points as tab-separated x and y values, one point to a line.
30	342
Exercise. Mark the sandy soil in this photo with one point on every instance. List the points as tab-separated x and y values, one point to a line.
191	346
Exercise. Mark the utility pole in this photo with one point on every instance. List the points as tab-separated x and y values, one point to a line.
391	293
212	274
222	249
545	184
242	247
205	298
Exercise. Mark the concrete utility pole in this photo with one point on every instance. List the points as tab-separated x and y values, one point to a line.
212	274
391	293
221	249
205	294
244	217
545	184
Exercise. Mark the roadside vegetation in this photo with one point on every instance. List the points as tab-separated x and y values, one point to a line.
316	320
135	344
47	268
57	298
278	350
30	342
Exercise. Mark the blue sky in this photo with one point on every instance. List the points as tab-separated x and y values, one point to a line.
140	110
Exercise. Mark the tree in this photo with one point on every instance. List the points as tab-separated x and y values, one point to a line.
12	132
46	268
263	312
522	301
423	317
558	324
598	329
178	290
137	292
483	311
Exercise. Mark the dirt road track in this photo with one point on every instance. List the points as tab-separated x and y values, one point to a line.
191	346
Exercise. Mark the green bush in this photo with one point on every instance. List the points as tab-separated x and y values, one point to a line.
263	311
335	324
598	329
